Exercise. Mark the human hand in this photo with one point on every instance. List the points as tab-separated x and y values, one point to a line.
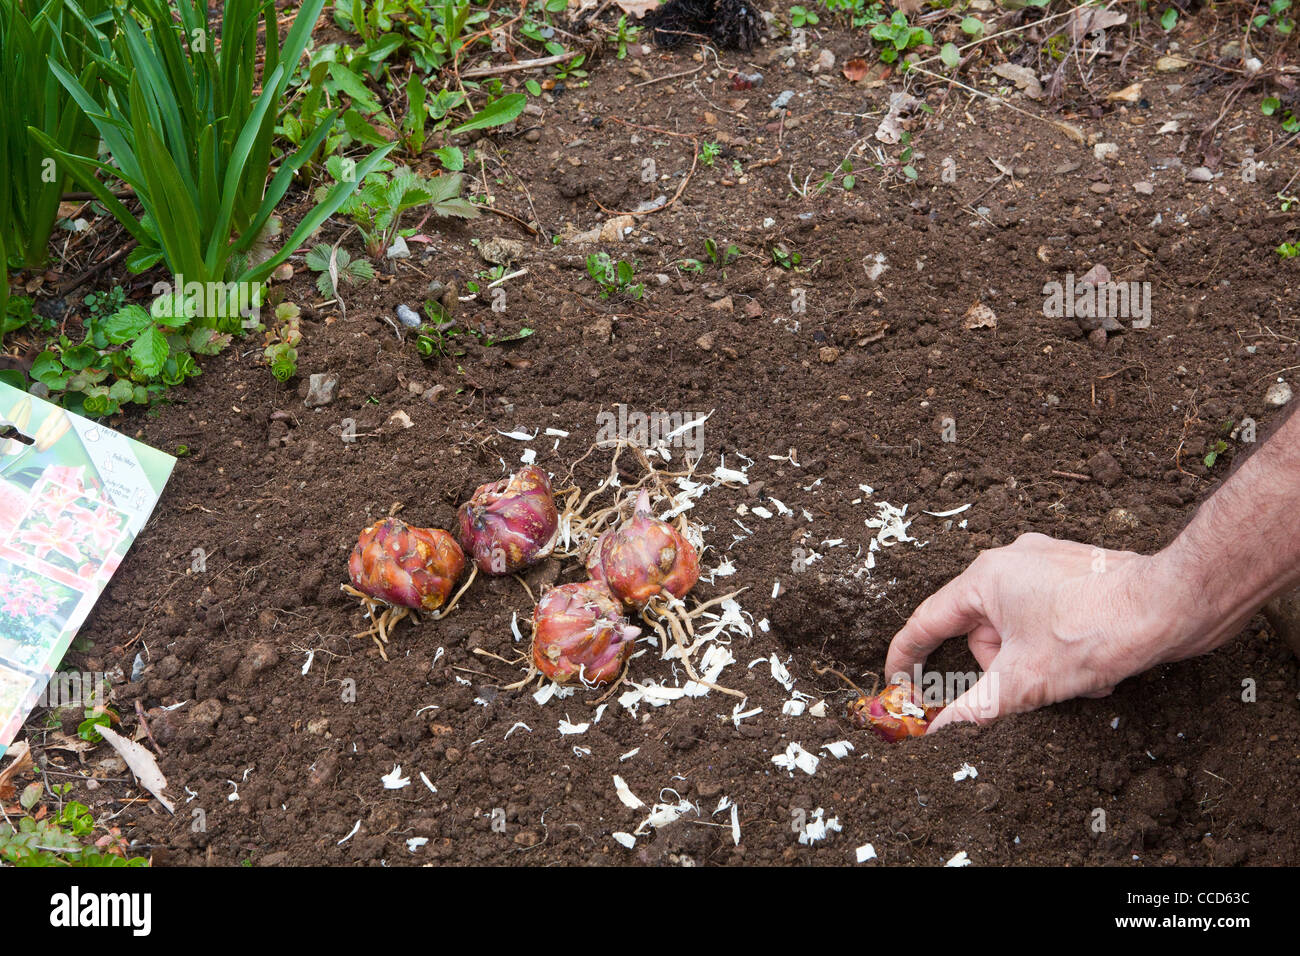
1049	620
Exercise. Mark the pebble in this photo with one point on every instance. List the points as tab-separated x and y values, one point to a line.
499	251
828	354
1200	174
705	341
783	99
1278	394
322	388
408	317
1118	521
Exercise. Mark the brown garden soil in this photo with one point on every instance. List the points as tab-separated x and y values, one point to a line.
855	390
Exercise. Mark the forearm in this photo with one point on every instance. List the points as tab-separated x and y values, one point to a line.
1243	545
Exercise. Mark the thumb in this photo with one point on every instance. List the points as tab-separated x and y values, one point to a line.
982	703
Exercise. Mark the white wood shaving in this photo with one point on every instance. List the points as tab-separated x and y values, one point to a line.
518	724
567	728
629	755
394	780
947	514
796	757
839	749
961	859
737	716
625	794
818	828
626	839
664	814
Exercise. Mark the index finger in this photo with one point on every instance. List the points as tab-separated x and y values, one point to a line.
954	609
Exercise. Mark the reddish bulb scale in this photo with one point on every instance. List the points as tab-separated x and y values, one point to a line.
510	524
644	558
893	714
579	631
408	567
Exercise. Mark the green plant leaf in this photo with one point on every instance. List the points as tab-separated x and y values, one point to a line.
126	324
496	113
150	351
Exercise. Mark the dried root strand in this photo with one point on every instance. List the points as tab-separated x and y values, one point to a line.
447	608
584	527
674	613
819	670
383	618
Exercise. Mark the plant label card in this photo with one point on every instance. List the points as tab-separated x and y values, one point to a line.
73	496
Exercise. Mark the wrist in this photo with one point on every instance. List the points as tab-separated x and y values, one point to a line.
1199	605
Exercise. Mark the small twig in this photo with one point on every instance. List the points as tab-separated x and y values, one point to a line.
520	65
144	722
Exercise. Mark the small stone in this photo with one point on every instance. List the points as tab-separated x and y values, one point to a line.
1099	188
527	838
723	305
532	136
500	251
408	317
1143	188
206	714
614	230
705	341
783	99
1104	152
1279	393
322	388
1119	521
1097	338
1201	174
828	354
398	250
432	395
825	61
318	727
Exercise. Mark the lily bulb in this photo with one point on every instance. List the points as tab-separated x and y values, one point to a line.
510	524
643	558
579	632
408	567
